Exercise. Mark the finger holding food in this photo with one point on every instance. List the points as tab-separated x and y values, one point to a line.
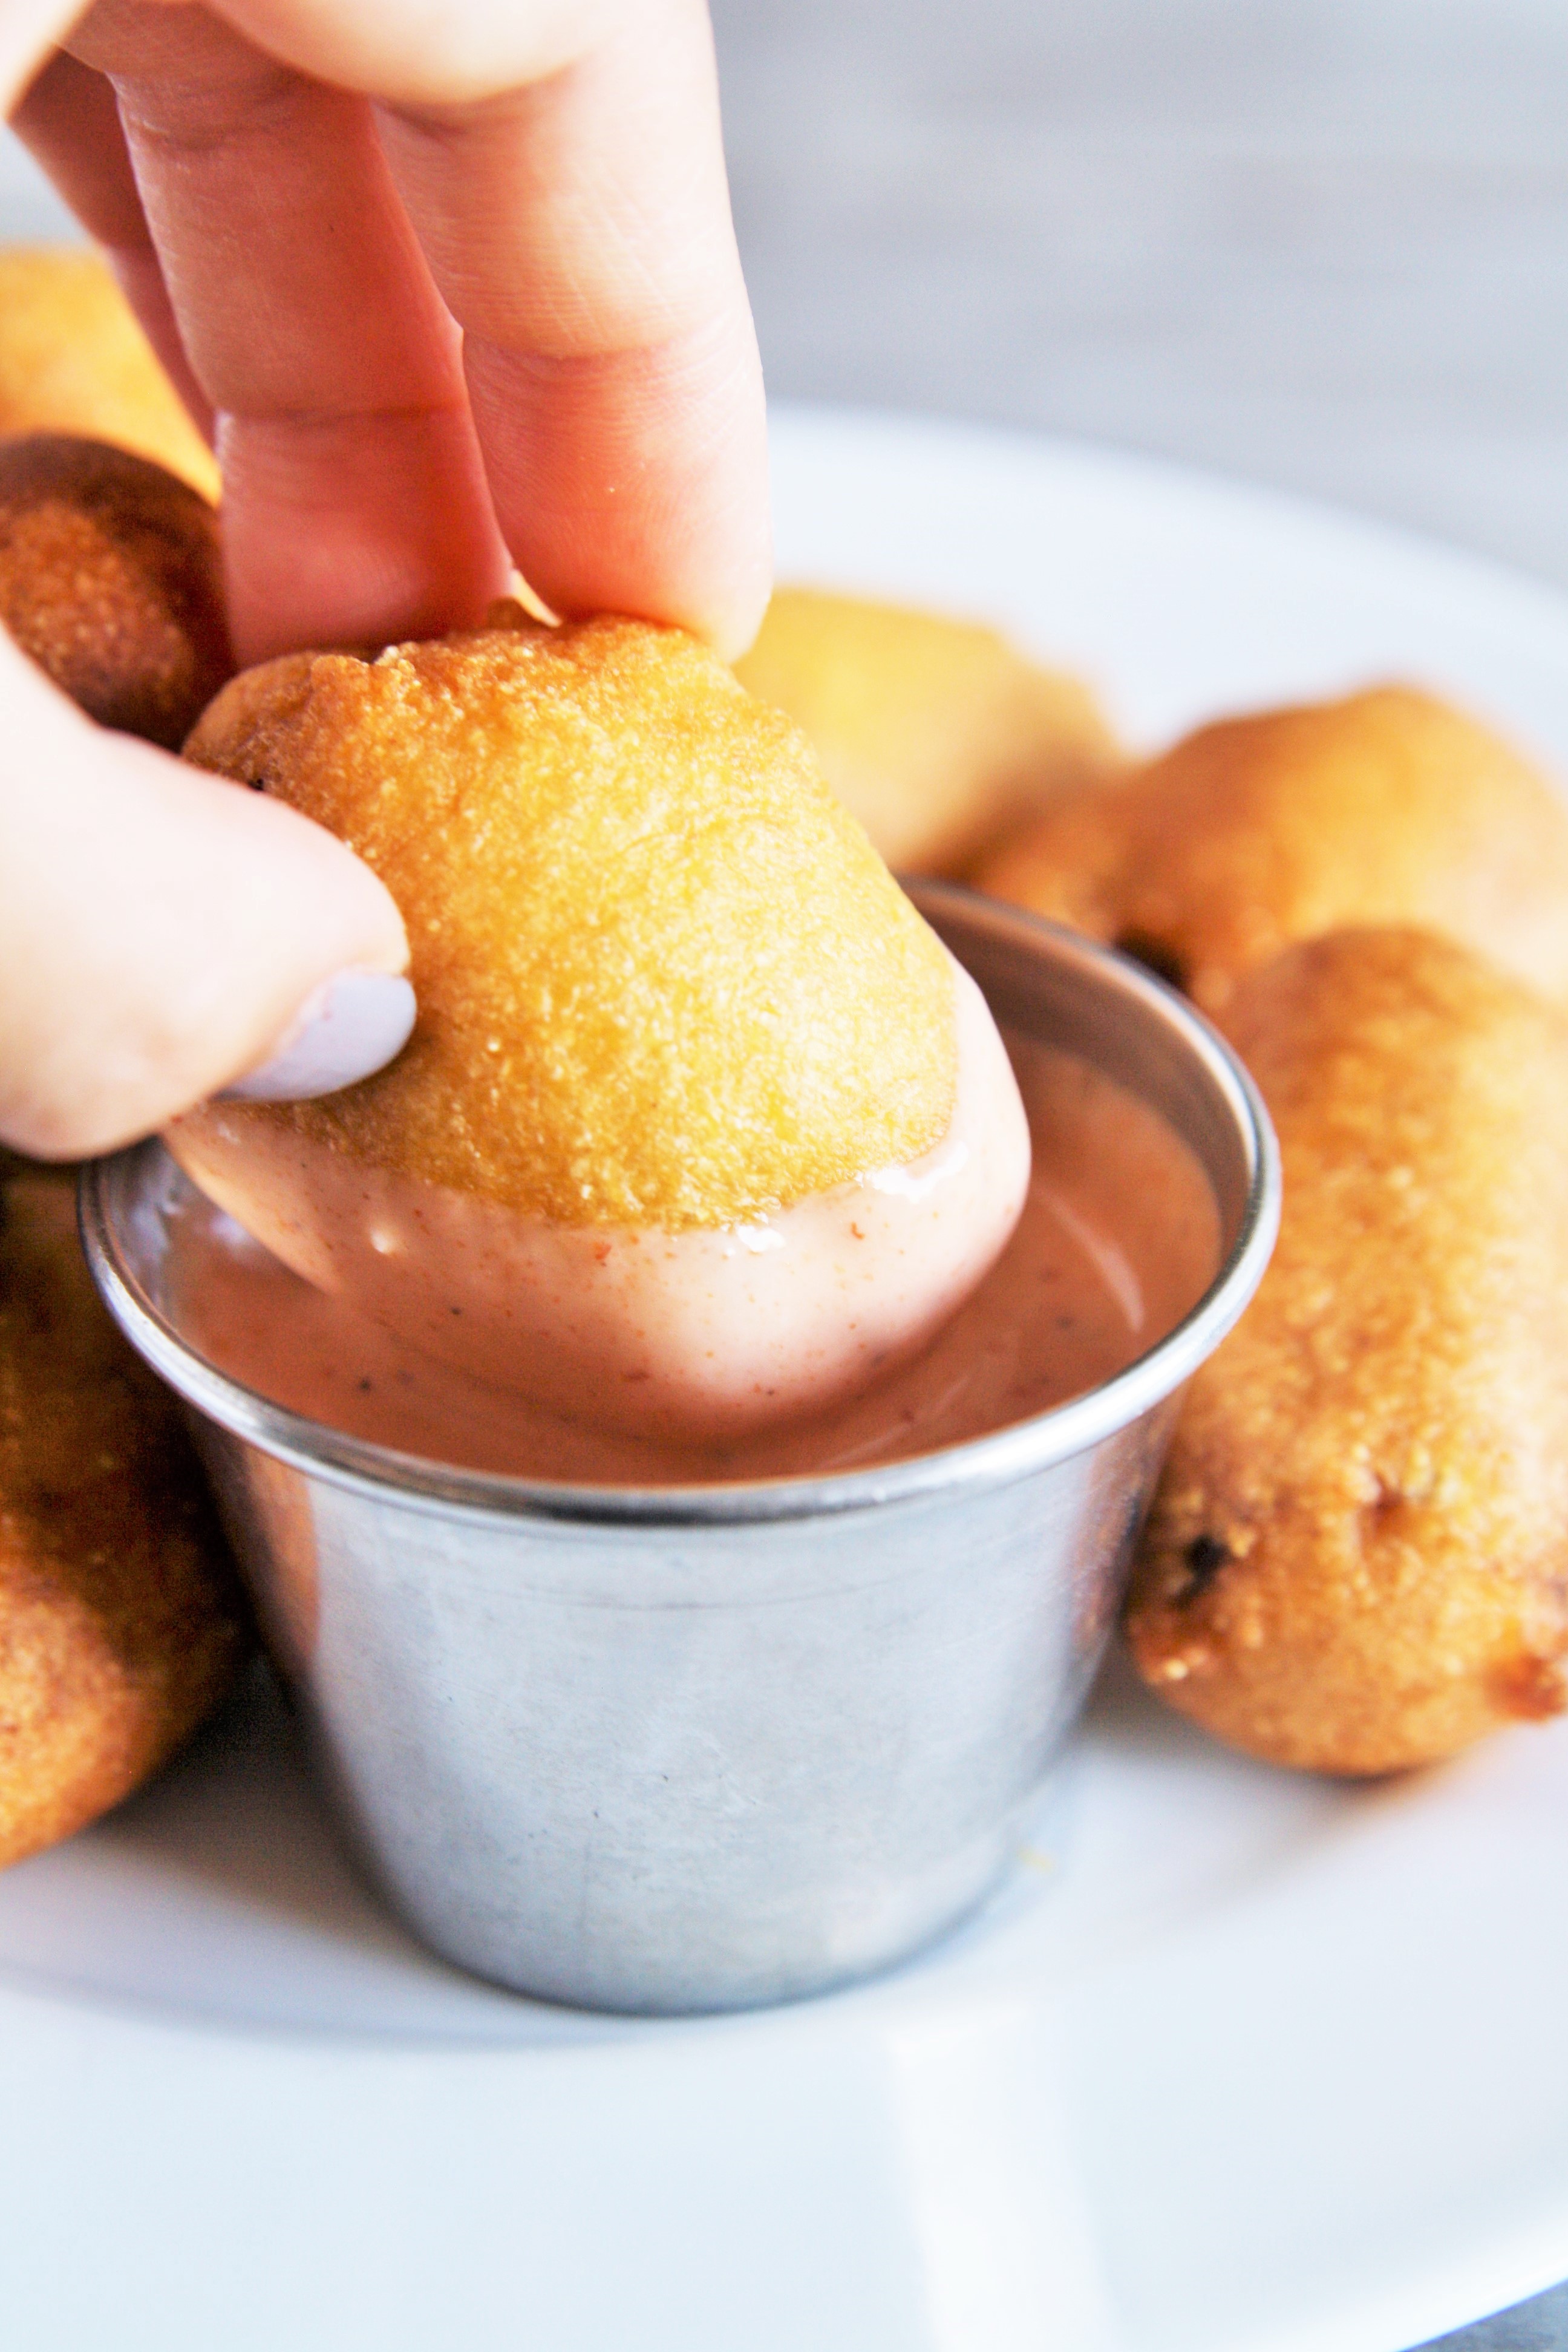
1355	1560
700	1127
935	733
427	395
1387	807
164	934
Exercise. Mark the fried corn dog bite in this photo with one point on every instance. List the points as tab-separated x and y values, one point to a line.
120	1625
936	733
112	580
1355	1557
1389	807
74	360
700	1127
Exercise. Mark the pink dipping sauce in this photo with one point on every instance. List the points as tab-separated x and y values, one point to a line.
703	1336
1119	1238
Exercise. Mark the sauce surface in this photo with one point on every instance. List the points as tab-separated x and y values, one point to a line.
705	1336
1119	1239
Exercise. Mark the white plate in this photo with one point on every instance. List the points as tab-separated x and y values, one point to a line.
1238	2063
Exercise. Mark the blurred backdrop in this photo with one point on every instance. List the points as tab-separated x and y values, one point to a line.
1321	243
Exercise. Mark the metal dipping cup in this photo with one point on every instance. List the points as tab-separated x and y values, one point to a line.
703	1748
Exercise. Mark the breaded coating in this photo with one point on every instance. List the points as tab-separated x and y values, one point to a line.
1358	1554
111	579
936	733
1388	807
121	1623
74	360
663	977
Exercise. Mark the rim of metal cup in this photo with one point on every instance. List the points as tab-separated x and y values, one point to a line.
995	1459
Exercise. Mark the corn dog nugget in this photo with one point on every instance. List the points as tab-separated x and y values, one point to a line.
661	975
1388	807
936	733
120	1625
111	581
74	360
1356	1558
700	1127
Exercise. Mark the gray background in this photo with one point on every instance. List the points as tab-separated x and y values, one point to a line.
1323	245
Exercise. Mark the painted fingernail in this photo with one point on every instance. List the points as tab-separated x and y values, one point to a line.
351	1025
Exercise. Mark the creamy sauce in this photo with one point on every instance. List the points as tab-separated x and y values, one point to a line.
1119	1238
703	1336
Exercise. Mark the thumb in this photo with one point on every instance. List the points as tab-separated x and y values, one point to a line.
164	932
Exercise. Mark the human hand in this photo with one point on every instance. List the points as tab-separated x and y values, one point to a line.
455	291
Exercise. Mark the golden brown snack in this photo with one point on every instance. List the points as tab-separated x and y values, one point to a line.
76	361
936	733
663	977
73	359
121	1627
1358	1554
1386	808
111	578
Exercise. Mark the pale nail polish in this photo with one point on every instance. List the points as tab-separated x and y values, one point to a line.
348	1027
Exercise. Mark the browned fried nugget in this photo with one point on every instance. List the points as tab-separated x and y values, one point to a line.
121	1627
1385	808
111	578
73	359
936	733
1358	1556
663	979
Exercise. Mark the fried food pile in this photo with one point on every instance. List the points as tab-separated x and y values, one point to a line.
1358	1557
666	984
121	1622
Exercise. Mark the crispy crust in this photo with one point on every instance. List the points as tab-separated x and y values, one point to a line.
73	359
111	579
1388	807
936	733
121	1623
1358	1556
663	977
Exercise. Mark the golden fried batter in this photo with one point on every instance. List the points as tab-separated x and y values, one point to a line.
663	977
1358	1556
121	1627
1386	808
936	733
111	578
73	359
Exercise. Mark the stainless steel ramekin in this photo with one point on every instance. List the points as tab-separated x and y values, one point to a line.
701	1747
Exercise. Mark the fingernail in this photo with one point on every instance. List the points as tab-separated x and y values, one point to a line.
350	1026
